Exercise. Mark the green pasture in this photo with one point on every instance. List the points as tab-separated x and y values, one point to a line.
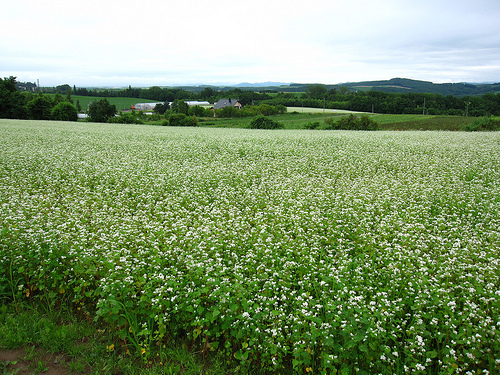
121	103
298	119
319	110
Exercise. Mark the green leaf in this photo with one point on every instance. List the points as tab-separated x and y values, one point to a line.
431	354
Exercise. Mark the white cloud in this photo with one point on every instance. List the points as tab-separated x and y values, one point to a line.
160	42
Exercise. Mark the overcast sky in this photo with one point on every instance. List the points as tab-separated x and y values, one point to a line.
164	42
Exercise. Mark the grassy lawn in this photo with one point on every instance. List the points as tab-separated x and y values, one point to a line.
121	103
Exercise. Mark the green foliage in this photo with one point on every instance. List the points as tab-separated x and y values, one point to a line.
352	122
228	111
312	125
287	252
251	111
208	93
12	103
64	111
392	103
482	124
263	122
317	91
101	111
199	111
63	89
179	106
161	108
180	119
40	107
128	118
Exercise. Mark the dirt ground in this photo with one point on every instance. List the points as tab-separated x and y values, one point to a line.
33	361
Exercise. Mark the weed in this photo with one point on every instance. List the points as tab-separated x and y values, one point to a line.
4	368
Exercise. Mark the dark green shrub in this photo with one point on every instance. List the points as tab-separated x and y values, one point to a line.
332	124
482	124
366	123
312	125
263	122
39	108
127	118
198	111
228	112
64	111
180	119
352	122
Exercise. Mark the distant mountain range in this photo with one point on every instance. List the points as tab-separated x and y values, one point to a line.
394	85
262	84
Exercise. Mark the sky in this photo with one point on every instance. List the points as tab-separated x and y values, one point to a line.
167	43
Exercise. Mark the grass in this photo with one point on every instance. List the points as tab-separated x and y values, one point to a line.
420	122
240	250
298	118
79	346
121	103
319	110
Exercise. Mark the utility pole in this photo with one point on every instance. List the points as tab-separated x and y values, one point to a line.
324	105
423	112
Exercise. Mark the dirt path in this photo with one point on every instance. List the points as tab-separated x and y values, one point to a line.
31	361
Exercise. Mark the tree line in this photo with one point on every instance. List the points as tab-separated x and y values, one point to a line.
317	96
24	105
165	94
28	105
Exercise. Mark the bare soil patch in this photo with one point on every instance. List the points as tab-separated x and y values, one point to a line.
33	360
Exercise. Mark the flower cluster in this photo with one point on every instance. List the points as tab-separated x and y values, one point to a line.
317	251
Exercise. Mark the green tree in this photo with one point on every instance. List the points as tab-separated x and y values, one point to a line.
58	98
179	106
197	110
161	108
101	110
68	95
317	91
64	111
63	89
207	93
12	103
40	108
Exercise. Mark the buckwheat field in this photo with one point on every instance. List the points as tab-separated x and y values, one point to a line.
285	251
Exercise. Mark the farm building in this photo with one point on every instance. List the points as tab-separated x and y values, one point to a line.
227	102
145	106
194	102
